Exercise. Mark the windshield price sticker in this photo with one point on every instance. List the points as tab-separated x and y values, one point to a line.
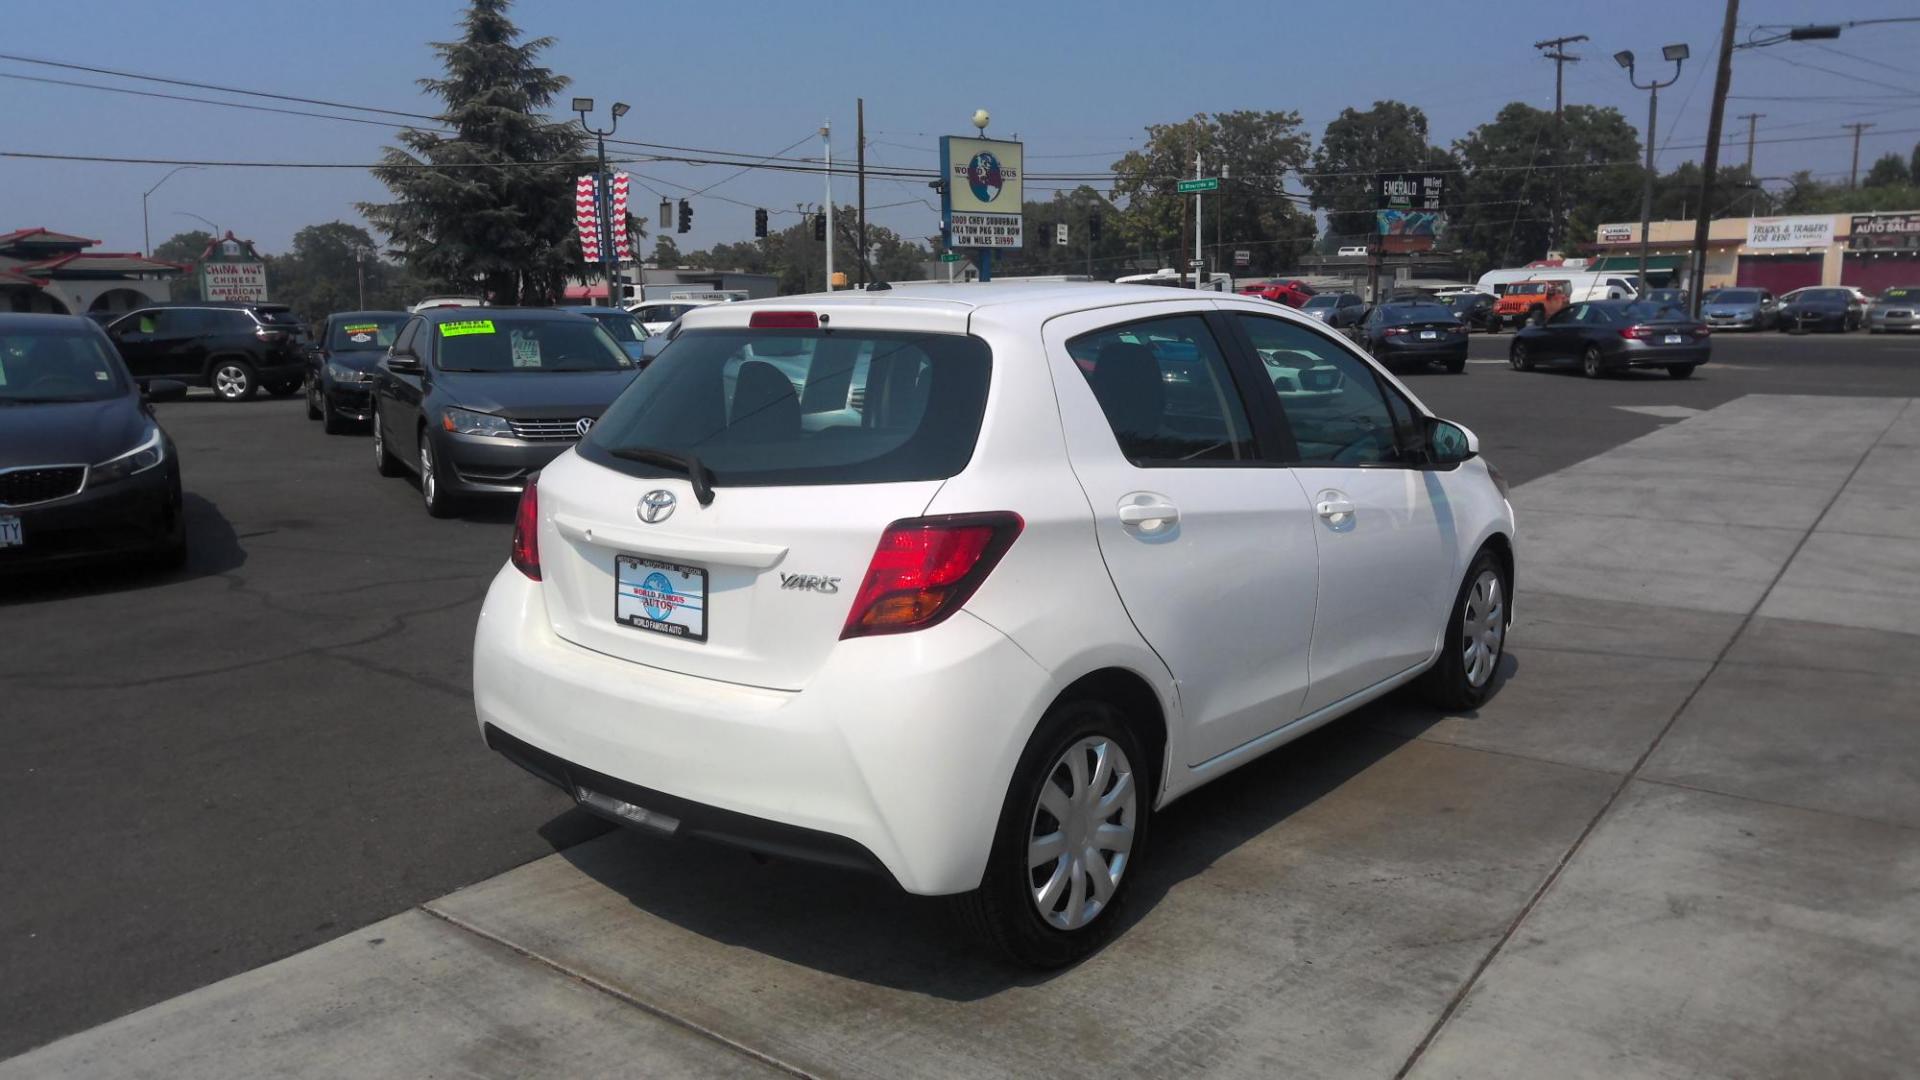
526	350
468	326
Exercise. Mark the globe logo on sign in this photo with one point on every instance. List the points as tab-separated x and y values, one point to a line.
657	596
983	176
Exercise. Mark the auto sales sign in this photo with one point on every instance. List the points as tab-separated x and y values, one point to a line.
980	196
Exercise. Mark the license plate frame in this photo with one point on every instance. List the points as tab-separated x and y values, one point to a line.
661	597
1429	335
1675	339
13	531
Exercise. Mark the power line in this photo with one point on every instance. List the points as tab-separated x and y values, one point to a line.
209	86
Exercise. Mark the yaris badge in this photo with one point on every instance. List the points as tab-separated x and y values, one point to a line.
656	506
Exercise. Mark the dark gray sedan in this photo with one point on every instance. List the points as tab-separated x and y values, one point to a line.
1610	336
475	400
1338	310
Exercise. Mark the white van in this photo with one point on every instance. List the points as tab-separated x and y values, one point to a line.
1582	286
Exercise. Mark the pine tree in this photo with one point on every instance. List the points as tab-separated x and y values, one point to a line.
503	218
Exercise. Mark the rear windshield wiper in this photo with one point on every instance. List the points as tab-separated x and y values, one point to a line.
697	474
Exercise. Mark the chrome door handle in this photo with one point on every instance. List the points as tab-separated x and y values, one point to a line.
1149	516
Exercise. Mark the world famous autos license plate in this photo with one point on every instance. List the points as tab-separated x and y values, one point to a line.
664	597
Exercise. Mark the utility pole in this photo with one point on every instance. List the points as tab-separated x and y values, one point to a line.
360	273
860	152
1721	80
1678	54
1752	119
1555	49
1219	213
1853	178
826	140
1198	225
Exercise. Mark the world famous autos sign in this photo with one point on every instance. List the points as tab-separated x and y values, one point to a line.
981	196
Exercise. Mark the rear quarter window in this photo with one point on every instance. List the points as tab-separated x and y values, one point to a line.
804	407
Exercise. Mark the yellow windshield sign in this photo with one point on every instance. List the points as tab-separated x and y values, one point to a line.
465	327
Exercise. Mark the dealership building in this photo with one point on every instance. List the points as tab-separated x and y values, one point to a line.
1871	251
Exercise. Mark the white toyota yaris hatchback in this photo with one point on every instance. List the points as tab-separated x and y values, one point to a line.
960	584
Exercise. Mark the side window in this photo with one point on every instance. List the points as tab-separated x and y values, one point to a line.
1568	315
1165	389
1338	410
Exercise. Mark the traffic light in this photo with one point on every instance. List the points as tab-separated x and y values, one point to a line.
686	216
1093	228
820	227
760	224
666	213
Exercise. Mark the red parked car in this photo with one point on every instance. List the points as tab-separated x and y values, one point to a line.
1290	293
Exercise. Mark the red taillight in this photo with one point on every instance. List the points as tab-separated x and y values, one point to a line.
1637	331
784	320
926	568
526	531
1393	330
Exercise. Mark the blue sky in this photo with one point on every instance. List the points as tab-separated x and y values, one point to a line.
1077	81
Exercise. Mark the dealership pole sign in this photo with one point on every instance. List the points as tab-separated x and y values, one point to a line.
981	196
230	270
1407	191
1407	210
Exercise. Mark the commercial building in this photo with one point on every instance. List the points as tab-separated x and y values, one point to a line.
1870	251
46	271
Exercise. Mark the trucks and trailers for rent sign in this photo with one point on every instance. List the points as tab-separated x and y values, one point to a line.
980	200
242	281
1790	232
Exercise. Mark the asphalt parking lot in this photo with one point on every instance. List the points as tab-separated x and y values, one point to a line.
1683	838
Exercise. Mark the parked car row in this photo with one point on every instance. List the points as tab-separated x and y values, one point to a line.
1838	308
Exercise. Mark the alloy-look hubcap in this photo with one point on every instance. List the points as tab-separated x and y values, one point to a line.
230	381
426	470
379	440
1483	627
1082	833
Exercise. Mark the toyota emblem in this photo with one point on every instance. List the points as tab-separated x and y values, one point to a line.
583	425
656	506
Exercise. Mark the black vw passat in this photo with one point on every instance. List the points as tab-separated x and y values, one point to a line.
340	365
475	400
1819	309
85	469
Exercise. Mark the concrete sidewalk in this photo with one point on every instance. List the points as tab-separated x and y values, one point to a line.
1682	840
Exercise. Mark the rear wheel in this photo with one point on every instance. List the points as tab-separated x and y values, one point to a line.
1592	365
1680	371
1456	365
1519	358
315	407
1476	638
1071	831
234	380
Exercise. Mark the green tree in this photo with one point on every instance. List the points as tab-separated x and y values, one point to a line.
1074	209
1676	194
1391	137
493	202
1503	215
1889	171
666	253
322	274
1256	149
185	248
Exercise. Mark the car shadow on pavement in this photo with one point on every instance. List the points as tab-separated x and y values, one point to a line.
212	549
863	927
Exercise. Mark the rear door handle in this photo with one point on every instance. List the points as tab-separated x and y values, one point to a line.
1149	516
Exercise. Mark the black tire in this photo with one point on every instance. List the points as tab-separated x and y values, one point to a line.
1518	358
1680	371
1493	324
433	493
332	423
1456	366
315	410
1448	684
284	389
1537	317
1003	911
1592	365
233	379
383	460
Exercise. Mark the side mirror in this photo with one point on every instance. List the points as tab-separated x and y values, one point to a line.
1450	444
402	363
651	347
163	390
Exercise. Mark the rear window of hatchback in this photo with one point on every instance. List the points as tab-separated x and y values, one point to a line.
763	407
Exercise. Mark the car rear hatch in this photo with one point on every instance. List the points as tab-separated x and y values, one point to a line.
813	441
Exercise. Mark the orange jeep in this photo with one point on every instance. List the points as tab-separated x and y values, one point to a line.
1528	302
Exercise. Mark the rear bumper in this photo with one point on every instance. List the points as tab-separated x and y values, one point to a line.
1636	354
897	753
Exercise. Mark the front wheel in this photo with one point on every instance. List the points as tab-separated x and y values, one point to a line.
314	402
234	380
438	502
1592	365
1071	833
1680	371
383	459
1476	639
1518	357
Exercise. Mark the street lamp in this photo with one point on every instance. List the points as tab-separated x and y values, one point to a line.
1677	54
217	234
146	237
602	183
